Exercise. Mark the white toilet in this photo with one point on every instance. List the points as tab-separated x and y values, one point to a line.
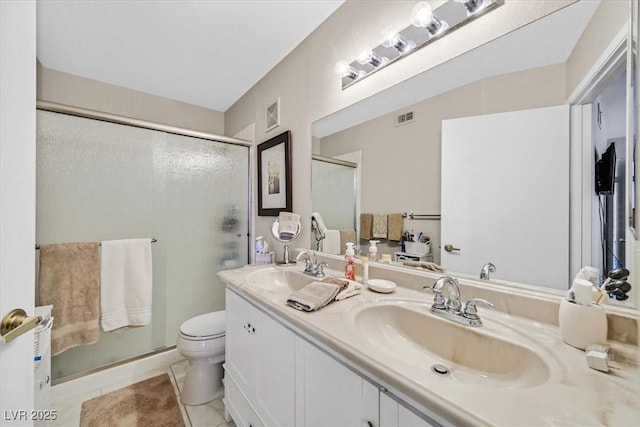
201	342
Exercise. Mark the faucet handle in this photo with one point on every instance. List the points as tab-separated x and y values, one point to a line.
438	300
470	309
320	269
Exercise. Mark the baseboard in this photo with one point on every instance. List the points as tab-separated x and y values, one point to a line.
134	371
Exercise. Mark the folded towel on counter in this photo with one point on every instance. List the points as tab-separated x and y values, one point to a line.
395	227
366	226
69	279
352	289
346	236
424	264
379	226
343	283
331	242
288	223
314	296
126	289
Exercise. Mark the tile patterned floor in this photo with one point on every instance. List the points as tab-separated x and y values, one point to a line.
207	415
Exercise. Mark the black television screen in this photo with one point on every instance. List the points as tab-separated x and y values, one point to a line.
606	170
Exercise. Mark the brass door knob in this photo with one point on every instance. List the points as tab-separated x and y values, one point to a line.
16	322
449	247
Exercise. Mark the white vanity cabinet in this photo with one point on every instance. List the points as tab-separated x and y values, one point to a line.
332	394
259	362
394	414
275	377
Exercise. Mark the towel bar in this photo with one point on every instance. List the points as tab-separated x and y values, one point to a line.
100	244
421	216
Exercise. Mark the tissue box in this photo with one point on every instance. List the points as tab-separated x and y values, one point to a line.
417	248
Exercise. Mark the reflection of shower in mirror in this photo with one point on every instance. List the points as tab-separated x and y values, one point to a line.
319	229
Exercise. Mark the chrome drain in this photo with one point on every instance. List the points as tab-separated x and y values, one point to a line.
440	369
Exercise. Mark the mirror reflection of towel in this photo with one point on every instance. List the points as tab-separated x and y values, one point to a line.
395	227
346	236
366	226
379	226
288	225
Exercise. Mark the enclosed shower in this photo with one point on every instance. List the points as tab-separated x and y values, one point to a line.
101	177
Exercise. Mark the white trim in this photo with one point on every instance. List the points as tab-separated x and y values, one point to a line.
132	371
575	190
587	194
612	59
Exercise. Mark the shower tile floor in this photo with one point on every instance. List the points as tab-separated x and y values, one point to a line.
207	415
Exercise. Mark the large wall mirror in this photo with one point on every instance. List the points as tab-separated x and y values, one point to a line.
566	71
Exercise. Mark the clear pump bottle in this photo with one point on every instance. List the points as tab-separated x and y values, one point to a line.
373	250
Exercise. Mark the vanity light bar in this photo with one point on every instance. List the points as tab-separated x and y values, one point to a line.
427	26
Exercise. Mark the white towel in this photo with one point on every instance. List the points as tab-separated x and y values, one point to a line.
331	242
126	283
288	223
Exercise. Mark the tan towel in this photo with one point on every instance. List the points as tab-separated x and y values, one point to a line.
343	283
346	236
424	264
70	280
395	227
314	296
379	226
366	226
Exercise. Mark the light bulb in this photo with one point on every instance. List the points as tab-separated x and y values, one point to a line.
343	69
367	56
422	17
396	41
422	14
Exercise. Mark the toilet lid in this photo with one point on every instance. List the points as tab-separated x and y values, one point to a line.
205	325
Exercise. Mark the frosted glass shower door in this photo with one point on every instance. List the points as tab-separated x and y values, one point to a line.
206	226
103	181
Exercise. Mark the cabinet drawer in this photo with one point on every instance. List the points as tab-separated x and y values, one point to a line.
238	407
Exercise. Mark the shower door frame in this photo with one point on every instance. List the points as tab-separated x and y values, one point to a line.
144	124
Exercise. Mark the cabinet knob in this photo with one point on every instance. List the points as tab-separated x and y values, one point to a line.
366	423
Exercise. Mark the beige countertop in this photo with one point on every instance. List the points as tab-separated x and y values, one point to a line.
572	394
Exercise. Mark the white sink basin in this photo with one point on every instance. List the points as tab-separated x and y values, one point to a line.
407	331
279	279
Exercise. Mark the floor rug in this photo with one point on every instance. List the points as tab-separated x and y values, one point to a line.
151	402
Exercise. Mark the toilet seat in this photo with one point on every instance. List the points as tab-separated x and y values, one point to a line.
204	327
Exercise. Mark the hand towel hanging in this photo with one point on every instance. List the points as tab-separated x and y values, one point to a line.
126	288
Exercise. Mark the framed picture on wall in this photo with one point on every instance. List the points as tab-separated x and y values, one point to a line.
272	118
274	175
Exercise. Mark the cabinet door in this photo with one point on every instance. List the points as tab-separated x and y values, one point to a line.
333	395
240	343
275	376
394	414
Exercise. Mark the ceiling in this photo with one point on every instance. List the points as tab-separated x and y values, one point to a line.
206	52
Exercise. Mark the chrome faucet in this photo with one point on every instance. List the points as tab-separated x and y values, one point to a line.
487	269
451	307
311	266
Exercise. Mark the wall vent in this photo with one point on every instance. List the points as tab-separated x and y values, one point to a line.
403	119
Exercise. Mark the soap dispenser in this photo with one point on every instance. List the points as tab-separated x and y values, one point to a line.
373	250
350	263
